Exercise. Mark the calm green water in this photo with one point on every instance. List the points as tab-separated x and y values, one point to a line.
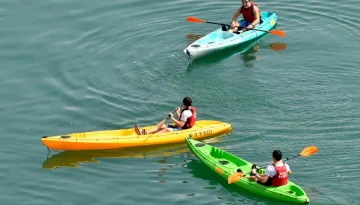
70	66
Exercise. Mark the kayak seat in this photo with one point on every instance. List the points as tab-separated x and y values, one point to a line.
291	189
229	164
261	21
221	155
225	28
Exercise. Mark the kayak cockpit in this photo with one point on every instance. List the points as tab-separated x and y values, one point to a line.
215	37
292	189
225	158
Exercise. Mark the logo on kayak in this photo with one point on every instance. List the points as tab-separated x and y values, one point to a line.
272	22
202	133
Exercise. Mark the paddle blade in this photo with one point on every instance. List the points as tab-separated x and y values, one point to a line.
309	151
235	177
194	20
278	33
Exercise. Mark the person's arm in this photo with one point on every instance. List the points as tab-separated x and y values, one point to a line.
269	172
288	169
178	111
262	178
177	122
256	13
235	16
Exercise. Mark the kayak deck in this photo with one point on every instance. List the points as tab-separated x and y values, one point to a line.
113	139
226	164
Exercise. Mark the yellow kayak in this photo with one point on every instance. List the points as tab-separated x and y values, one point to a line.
114	139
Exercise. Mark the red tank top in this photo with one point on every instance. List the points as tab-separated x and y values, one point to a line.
248	13
281	177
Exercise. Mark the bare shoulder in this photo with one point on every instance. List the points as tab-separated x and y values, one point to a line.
239	10
255	9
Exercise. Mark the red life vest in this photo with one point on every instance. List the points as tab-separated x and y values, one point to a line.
190	122
281	177
248	13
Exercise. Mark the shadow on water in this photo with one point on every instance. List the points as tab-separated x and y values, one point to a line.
75	158
192	37
199	170
247	52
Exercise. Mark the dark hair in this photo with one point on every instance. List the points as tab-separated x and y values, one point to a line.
277	155
187	101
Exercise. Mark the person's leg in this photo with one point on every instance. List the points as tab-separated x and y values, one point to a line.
170	128
241	25
253	173
165	130
253	178
233	29
156	129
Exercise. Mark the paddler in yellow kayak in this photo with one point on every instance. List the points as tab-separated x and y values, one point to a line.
186	119
251	14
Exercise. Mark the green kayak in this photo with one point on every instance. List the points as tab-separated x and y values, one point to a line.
225	164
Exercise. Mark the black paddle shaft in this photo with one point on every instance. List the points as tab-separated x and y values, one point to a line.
218	23
287	158
292	157
238	27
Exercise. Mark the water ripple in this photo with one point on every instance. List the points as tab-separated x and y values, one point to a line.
78	66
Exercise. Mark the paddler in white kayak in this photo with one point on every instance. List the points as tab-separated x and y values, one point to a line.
186	119
251	14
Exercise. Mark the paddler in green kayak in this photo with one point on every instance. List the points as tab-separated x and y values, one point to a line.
186	119
251	14
275	174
